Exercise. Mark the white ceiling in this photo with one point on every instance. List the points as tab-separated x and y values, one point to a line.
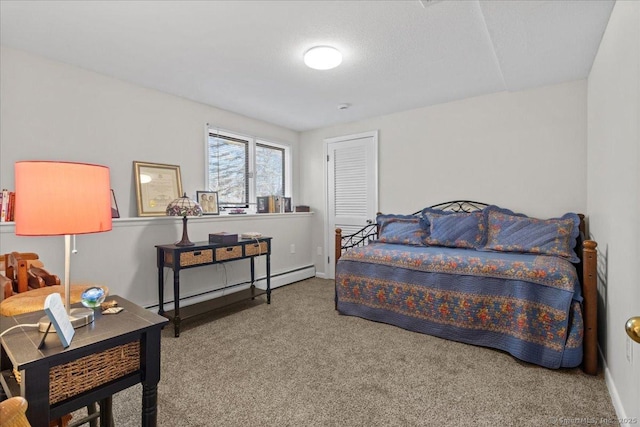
246	56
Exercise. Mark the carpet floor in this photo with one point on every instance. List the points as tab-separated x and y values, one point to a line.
297	362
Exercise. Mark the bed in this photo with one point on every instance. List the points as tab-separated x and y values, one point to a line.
473	273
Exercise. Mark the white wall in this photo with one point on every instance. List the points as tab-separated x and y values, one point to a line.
613	200
524	150
53	111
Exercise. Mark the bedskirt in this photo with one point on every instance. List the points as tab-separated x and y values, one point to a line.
526	305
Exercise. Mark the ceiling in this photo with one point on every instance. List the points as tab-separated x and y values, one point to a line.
246	56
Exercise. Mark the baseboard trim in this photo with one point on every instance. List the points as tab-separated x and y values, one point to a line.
321	275
277	280
288	277
613	391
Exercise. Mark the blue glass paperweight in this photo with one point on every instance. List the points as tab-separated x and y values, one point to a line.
93	297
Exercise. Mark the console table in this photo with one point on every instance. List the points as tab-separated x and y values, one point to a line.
110	354
202	254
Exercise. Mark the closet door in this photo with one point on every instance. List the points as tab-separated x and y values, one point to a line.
352	187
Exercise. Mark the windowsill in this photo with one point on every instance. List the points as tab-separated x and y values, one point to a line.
118	222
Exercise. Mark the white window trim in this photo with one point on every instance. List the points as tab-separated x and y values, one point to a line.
253	140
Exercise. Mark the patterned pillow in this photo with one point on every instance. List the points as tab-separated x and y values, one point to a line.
401	229
455	229
509	232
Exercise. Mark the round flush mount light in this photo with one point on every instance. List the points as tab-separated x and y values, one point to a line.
322	58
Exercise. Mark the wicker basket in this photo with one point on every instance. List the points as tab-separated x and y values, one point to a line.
255	249
230	252
91	371
196	257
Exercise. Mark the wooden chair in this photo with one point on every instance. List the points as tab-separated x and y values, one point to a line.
13	412
25	271
6	287
26	286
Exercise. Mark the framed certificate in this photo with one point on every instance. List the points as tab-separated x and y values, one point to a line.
157	185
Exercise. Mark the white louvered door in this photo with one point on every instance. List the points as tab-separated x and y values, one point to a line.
352	186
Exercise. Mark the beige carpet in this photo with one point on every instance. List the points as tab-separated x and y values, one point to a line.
298	362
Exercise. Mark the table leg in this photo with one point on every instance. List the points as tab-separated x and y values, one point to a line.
35	388
160	282
106	409
151	362
149	405
92	414
176	302
253	276
269	277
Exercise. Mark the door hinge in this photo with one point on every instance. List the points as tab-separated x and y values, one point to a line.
327	157
328	260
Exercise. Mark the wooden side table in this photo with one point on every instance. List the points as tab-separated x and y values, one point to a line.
202	254
107	356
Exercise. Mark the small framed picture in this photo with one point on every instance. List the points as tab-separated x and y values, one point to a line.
209	202
115	213
287	204
263	204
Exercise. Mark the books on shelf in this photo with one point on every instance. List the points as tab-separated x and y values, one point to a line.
273	204
7	205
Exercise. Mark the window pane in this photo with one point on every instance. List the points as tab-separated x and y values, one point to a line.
228	168
269	170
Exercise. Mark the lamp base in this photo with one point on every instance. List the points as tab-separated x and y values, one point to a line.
185	238
79	317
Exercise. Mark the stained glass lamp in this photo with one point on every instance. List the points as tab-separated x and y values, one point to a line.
184	207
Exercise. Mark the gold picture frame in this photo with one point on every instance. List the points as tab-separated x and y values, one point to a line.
157	185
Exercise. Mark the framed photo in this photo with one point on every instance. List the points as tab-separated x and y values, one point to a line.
115	213
263	204
208	201
157	185
287	204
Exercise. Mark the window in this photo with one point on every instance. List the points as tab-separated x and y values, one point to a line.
228	169
240	168
269	170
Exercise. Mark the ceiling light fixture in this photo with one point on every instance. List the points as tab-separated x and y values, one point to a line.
322	58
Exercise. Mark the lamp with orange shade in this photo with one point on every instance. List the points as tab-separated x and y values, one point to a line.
63	198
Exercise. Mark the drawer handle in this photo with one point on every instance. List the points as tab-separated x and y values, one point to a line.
196	253
230	249
255	245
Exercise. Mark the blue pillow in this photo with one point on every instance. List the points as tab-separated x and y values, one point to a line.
401	229
455	229
509	232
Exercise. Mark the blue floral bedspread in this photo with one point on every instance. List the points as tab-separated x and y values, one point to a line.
526	305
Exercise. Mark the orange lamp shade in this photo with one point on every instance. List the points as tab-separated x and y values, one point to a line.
57	198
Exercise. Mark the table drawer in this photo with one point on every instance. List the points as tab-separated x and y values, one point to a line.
204	256
230	252
251	249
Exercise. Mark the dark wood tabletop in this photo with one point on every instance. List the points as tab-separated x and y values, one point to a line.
21	344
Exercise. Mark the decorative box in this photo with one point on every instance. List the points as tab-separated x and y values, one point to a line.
223	238
302	208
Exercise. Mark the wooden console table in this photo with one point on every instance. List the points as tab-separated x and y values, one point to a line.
110	354
202	254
